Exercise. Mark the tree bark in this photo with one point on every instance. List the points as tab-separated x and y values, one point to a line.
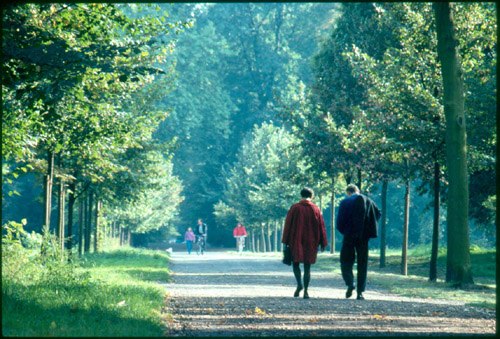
81	212
404	255
282	228
383	224
275	235
332	220
96	226
47	186
71	207
262	237
253	242
88	226
60	216
359	178
128	236
458	265
268	237
120	233
435	228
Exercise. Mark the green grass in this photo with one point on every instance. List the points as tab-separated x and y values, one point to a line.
111	294
417	284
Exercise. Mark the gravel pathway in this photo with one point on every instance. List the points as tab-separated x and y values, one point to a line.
226	294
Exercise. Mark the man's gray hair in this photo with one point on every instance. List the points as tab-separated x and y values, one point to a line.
351	188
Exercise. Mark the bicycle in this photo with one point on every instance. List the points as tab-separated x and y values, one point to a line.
240	241
200	245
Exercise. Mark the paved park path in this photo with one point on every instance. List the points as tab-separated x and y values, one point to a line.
226	294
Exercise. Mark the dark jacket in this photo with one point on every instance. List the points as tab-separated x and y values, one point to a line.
358	217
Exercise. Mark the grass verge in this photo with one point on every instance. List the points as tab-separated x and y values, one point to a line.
417	284
109	294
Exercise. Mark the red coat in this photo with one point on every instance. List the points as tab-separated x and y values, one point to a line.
239	231
306	227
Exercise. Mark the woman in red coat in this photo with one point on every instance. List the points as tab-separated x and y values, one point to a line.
304	231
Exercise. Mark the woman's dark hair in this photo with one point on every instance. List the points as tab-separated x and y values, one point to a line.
306	192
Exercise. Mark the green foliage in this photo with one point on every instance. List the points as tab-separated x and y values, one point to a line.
111	294
260	186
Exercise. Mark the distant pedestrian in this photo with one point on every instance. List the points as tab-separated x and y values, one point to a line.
240	233
190	239
358	221
304	231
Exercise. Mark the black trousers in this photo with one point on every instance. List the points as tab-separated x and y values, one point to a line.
350	247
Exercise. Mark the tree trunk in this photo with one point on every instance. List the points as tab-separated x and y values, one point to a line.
282	228
120	233
47	187
268	237
96	225
60	216
404	255
458	265
332	220
359	178
128	236
81	212
435	228
254	249
383	224
276	235
262	237
88	226
71	207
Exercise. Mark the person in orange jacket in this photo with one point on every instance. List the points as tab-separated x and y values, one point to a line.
240	233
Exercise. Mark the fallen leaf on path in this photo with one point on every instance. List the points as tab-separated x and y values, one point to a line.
249	312
313	320
436	313
220	322
259	311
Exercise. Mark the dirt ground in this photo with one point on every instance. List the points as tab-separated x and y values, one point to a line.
226	294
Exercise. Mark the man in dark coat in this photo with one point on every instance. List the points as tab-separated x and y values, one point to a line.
304	231
358	221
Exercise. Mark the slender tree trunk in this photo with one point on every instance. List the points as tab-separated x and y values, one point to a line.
60	217
332	219
71	207
348	178
88	227
120	233
128	236
254	249
359	178
435	228
282	229
268	237
81	212
262	237
383	224
276	235
458	265
47	194
404	255
96	226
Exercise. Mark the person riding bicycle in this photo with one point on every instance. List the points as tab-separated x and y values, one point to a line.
240	233
201	232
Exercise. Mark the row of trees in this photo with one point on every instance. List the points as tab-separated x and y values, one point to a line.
381	109
79	86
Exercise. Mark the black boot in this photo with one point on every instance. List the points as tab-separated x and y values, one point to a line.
348	293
